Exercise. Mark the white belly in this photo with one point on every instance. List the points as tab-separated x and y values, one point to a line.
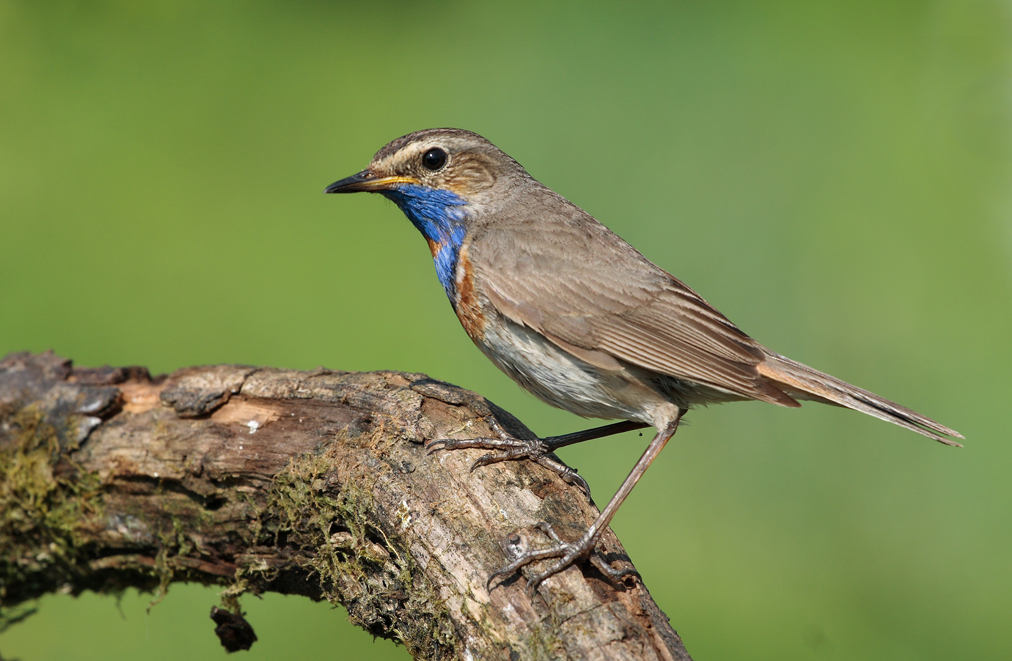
564	381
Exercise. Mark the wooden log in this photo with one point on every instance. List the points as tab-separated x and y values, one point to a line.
313	483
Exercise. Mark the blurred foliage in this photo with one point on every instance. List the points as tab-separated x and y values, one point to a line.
835	177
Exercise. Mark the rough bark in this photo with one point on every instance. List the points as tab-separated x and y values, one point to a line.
313	483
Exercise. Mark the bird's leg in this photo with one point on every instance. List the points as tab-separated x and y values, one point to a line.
583	548
506	447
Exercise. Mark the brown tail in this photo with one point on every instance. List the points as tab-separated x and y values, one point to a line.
802	382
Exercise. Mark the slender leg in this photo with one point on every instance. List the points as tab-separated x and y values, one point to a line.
556	442
508	448
569	553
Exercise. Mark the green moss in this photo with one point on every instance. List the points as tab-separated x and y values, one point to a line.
333	532
42	509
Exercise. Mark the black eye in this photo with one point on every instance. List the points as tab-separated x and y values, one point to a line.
434	159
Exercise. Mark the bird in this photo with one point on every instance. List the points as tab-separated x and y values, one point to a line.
580	319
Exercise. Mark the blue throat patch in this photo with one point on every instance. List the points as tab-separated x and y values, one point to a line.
439	216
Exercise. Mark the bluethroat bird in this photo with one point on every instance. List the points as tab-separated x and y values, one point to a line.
579	318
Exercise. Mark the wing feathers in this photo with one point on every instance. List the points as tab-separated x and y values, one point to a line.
598	297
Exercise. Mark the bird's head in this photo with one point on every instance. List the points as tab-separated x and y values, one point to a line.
445	181
440	178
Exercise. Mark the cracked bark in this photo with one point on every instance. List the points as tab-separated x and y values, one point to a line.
312	483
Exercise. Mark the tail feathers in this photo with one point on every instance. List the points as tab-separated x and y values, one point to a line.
802	382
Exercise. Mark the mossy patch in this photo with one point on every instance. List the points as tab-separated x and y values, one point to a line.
331	529
45	500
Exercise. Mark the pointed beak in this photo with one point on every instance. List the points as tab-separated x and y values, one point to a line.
366	180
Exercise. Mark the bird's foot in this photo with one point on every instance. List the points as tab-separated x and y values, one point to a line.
568	553
506	447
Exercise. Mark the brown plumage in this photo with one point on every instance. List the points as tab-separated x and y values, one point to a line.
580	318
580	285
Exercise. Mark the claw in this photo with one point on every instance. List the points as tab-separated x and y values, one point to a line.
567	552
508	448
437	445
616	575
547	528
567	560
456	444
493	576
566	473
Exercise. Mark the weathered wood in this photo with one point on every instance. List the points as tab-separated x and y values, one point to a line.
313	483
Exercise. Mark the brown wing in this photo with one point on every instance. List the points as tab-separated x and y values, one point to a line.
591	293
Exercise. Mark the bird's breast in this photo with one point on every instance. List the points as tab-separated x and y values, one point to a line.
467	304
434	246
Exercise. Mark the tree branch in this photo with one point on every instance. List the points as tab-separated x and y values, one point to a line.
313	483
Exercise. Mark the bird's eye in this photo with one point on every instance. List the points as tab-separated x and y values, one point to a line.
434	159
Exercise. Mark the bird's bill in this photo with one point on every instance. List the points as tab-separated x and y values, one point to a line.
367	181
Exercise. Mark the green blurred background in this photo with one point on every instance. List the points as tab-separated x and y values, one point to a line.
835	177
